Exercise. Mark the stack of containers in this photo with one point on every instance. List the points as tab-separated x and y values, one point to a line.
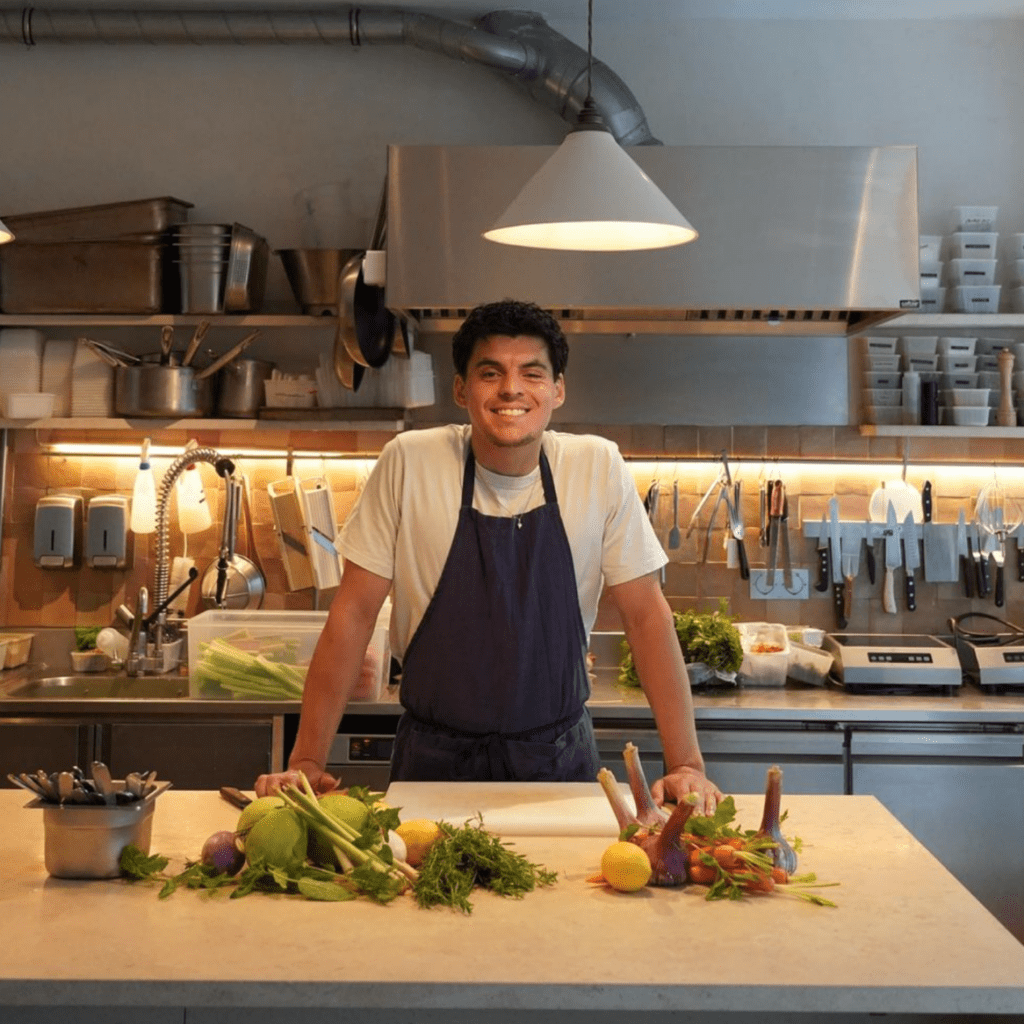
201	254
965	403
933	292
1015	254
971	268
881	396
919	363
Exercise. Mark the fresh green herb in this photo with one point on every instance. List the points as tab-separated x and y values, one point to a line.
324	892
708	637
85	637
469	857
138	867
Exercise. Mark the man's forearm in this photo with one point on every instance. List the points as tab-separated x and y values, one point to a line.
662	671
332	676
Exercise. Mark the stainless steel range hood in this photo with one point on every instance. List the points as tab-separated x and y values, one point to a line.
793	240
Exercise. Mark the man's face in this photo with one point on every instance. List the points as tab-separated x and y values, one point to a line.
510	391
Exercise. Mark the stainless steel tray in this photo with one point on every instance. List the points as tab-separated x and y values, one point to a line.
95	223
113	276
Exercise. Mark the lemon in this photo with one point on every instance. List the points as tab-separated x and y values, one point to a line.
625	867
419	835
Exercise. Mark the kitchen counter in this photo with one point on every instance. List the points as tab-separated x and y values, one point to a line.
609	701
907	938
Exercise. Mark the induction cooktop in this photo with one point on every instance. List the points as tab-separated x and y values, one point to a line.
898	661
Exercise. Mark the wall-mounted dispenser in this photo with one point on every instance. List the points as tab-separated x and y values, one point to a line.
106	533
58	538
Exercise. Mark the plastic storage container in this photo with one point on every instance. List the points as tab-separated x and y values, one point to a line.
37	405
973	245
282	637
976	298
18	648
765	654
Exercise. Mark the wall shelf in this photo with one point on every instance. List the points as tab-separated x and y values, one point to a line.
166	319
877	430
282	419
939	323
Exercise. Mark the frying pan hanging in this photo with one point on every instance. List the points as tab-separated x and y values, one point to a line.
367	325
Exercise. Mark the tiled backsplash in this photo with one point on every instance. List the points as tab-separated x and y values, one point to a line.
815	463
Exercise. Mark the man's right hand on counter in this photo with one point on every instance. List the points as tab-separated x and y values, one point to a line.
320	780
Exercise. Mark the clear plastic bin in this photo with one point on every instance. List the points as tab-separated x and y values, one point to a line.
977	245
765	654
976	298
285	639
877	345
972	271
975	218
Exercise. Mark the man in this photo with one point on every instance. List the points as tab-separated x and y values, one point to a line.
495	540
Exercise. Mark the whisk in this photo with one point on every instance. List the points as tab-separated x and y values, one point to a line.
999	516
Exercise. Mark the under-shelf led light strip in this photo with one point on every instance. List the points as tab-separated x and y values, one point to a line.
945	477
172	451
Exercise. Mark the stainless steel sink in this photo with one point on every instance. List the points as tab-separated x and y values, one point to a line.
98	687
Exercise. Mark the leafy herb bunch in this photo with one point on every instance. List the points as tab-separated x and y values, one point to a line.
708	637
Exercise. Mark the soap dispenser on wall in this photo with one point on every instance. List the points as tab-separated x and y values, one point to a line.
58	536
106	533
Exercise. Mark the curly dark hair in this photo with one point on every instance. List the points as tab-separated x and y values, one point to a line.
511	318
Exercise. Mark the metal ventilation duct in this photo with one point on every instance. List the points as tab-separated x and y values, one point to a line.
517	44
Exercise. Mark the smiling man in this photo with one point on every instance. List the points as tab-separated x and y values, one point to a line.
496	540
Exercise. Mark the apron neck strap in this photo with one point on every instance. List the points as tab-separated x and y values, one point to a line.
469	479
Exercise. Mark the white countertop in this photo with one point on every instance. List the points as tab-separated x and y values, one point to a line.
906	938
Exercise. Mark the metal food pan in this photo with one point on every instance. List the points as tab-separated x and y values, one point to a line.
247	267
115	276
95	223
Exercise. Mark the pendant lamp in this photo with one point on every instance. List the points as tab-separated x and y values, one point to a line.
6	234
590	196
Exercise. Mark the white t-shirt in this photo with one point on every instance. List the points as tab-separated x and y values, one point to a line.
404	522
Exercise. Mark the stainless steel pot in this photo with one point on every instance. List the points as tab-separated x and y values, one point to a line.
151	389
240	390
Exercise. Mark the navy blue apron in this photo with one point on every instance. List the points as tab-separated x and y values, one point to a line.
494	682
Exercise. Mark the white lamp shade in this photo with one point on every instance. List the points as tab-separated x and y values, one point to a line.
591	196
6	234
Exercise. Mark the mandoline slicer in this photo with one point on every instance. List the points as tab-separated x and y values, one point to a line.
290	528
317	505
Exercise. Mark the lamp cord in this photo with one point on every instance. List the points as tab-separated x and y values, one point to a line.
590	43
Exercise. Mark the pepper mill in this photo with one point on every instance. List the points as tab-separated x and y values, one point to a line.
1007	415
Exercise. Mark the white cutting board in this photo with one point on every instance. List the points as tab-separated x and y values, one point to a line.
512	808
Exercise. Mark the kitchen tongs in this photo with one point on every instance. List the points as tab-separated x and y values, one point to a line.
724	479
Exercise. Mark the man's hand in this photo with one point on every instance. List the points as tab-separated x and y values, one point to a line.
680	781
267	785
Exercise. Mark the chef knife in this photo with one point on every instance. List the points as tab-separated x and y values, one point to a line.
911	559
962	550
235	796
981	572
994	546
851	566
869	550
892	560
823	572
787	561
836	561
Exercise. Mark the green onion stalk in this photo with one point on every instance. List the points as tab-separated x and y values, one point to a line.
340	834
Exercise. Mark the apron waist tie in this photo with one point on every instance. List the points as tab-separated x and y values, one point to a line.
492	744
558	727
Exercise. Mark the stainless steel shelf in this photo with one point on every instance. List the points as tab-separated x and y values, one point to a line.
938	323
166	319
325	419
875	430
